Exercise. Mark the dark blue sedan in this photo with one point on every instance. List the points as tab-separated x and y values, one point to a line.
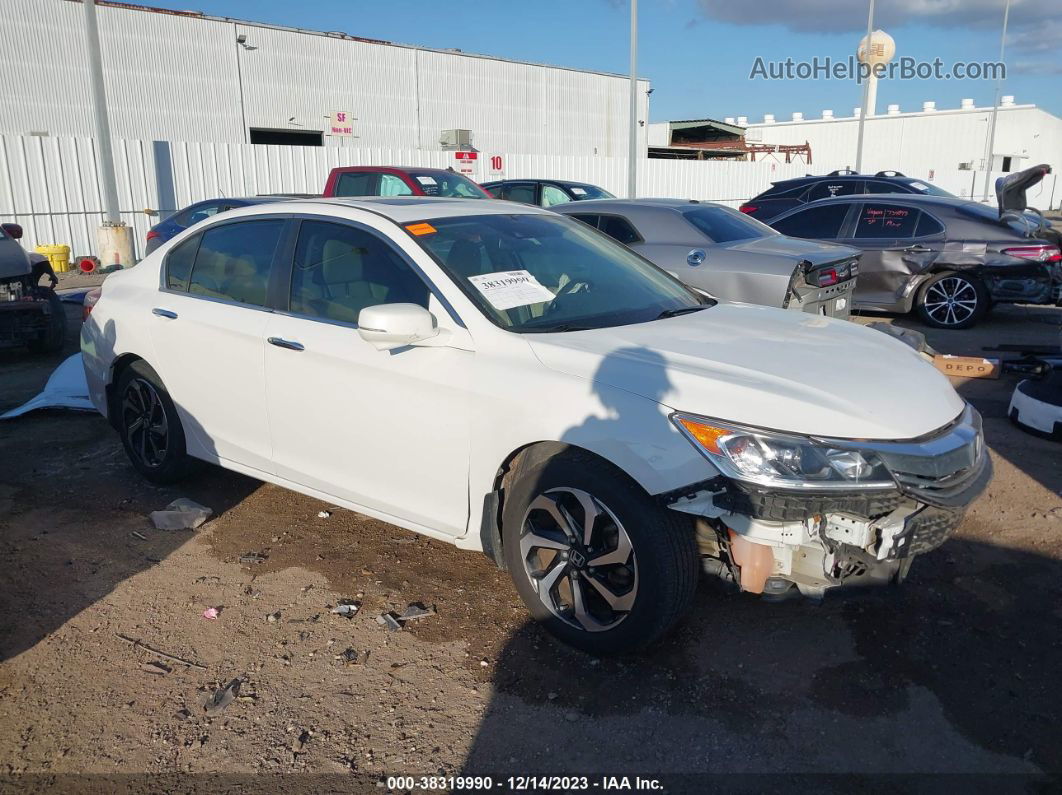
194	213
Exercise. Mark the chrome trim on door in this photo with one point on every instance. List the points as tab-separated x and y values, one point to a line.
291	345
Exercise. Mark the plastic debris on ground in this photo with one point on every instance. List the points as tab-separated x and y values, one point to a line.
413	612
216	702
211	613
348	657
156	668
323	514
347	608
251	558
66	389
181	514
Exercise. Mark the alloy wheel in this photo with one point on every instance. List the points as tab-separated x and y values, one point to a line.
579	559
951	301
145	423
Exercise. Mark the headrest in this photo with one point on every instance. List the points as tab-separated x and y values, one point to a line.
342	262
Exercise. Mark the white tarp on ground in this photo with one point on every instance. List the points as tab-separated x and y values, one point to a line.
66	389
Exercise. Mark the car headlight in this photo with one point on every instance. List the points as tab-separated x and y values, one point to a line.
769	458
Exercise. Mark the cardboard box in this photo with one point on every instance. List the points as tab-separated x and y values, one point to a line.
967	366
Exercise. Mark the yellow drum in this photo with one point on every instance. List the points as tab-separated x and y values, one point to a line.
58	255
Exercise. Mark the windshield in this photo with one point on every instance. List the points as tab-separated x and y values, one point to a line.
584	192
723	225
448	183
534	273
930	190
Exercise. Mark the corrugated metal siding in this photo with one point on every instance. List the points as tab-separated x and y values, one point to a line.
166	76
173	77
918	143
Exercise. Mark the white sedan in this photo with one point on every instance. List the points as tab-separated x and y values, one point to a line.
512	381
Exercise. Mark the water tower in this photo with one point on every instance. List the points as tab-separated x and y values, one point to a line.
877	48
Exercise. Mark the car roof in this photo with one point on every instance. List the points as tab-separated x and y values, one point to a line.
810	178
542	179
394	169
401	209
902	198
616	204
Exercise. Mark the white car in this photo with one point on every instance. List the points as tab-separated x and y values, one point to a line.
512	381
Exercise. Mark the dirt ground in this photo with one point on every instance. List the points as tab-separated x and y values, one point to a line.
954	672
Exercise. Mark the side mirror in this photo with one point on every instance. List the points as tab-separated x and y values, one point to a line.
13	230
389	326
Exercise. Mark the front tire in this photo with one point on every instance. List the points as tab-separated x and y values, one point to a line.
150	426
595	560
952	301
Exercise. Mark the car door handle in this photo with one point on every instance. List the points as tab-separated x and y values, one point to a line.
164	313
918	249
291	345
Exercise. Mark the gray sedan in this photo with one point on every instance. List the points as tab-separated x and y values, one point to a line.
727	254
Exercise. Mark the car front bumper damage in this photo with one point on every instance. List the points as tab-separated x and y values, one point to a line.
778	542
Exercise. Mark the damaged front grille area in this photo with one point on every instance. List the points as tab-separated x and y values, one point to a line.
780	506
925	531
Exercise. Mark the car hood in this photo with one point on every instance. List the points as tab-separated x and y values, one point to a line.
765	367
814	251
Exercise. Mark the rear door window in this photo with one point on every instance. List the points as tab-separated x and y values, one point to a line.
523	192
841	187
179	263
886	221
339	270
357	183
816	223
234	261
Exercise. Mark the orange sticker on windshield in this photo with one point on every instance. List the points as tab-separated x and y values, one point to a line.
421	229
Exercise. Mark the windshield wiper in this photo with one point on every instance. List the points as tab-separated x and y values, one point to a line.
559	327
681	310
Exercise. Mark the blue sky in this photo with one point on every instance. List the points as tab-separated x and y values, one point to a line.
699	53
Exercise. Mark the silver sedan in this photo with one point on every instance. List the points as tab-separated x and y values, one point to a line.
727	254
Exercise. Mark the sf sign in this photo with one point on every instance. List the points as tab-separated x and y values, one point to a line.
341	123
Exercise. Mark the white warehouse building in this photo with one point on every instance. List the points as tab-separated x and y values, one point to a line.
919	142
185	76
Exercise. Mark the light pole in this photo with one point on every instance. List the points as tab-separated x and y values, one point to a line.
632	152
114	239
989	156
866	94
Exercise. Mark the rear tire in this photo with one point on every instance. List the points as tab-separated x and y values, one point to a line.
149	425
952	301
646	556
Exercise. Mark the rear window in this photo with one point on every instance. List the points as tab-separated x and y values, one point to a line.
783	190
723	225
449	184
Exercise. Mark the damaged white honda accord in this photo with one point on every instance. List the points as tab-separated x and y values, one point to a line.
512	381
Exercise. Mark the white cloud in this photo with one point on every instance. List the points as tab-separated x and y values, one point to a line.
816	16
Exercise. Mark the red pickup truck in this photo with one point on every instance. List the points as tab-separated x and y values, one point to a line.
391	181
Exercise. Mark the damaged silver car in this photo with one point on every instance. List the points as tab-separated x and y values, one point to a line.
728	254
947	259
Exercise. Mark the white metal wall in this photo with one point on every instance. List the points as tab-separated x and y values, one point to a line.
917	143
50	185
173	76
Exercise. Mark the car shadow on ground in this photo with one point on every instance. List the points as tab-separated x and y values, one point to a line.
949	672
94	532
946	673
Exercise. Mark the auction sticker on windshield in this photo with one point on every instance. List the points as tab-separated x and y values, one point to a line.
510	289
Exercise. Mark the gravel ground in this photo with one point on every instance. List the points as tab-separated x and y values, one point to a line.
954	672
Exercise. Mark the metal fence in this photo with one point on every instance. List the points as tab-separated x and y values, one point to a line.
51	185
